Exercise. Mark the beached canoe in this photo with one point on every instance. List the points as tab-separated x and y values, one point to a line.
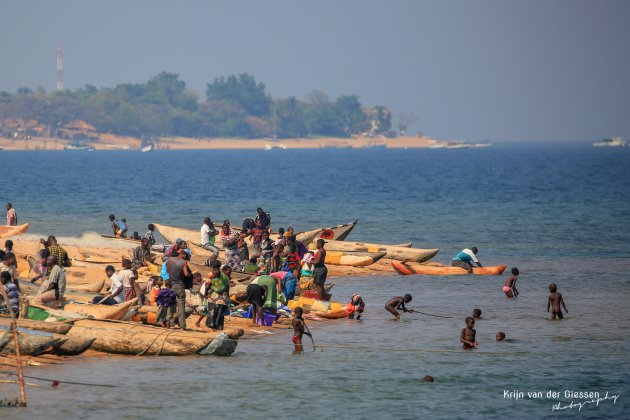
138	339
353	259
427	270
78	295
101	311
50	327
393	252
6	231
71	346
337	233
30	344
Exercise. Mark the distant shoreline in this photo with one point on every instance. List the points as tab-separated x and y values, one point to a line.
111	142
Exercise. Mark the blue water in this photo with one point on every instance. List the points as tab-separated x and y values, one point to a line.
560	212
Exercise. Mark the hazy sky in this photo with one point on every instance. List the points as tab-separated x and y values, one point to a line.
476	70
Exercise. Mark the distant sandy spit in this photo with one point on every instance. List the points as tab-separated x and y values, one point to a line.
112	142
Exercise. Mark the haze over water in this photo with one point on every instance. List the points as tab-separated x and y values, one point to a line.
560	212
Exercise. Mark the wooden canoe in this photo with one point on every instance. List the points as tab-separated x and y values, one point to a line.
71	346
331	314
79	295
50	327
30	344
393	252
353	259
138	339
406	270
101	311
337	233
6	231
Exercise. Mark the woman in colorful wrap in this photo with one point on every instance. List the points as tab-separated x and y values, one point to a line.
218	297
355	306
229	237
271	292
286	282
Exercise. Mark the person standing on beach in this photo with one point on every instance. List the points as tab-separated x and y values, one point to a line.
263	218
128	277
208	234
465	258
11	215
149	235
554	302
177	268
320	271
229	237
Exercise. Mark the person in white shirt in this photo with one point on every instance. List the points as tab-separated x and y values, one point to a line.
208	234
116	291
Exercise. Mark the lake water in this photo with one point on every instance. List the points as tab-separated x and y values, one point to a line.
560	212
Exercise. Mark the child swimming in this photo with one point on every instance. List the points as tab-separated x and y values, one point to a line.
468	335
554	302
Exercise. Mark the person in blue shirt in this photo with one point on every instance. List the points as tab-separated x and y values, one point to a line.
465	258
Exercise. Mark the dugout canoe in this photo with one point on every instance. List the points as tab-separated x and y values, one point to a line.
427	270
101	311
353	259
137	339
331	314
393	252
71	346
49	327
6	231
338	233
31	345
71	293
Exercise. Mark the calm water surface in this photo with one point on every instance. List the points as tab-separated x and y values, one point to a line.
559	212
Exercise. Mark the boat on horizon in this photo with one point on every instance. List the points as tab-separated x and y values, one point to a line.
275	147
147	147
77	146
613	142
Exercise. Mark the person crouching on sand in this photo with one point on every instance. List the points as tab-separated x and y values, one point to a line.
398	302
468	335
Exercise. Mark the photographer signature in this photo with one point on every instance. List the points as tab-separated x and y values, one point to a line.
579	405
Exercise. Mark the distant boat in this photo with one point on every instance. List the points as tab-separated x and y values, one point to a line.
436	146
457	145
275	147
614	142
147	148
481	144
78	146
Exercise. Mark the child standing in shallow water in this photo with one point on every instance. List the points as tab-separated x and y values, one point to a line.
468	335
298	330
554	301
510	284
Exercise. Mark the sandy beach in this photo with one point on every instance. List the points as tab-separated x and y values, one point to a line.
112	142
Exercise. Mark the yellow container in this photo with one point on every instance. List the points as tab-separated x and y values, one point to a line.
306	301
336	306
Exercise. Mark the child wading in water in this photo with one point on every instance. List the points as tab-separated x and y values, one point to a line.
398	302
468	335
510	284
298	330
555	300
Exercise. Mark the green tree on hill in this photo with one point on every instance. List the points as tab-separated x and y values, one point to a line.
242	91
